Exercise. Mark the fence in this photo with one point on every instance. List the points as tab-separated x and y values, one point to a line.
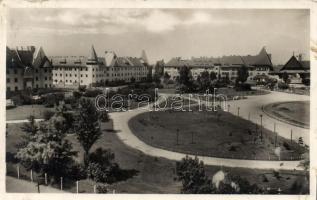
67	185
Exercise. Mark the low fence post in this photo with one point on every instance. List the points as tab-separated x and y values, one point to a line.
45	176
95	189
77	187
31	175
18	170
61	183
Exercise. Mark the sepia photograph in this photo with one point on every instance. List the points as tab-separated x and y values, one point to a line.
157	101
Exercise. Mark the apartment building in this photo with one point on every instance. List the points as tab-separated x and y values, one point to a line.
27	68
225	66
74	71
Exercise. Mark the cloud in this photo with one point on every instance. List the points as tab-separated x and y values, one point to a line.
110	21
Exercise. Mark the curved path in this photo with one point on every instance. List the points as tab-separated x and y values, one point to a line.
252	105
120	123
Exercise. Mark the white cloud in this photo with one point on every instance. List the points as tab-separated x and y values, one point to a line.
116	21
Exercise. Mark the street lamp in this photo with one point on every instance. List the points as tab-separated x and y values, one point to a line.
261	127
228	108
238	111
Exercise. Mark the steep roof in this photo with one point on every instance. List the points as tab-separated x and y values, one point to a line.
261	59
294	64
144	57
26	57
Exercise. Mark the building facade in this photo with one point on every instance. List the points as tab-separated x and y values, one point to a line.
71	72
27	68
223	67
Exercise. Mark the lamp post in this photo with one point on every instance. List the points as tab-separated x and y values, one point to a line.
228	108
238	111
261	116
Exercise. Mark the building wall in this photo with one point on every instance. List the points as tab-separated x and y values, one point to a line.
15	79
73	76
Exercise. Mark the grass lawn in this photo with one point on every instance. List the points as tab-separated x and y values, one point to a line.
23	112
218	134
294	112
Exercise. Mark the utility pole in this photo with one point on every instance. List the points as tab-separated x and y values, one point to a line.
261	127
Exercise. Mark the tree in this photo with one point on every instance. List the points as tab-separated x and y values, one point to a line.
87	126
47	151
285	77
205	80
166	77
213	76
102	167
156	78
30	129
149	77
132	80
192	174
243	74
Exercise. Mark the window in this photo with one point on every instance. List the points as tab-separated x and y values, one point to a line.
36	71
66	75
81	75
45	70
45	85
37	86
86	75
61	75
16	80
36	78
45	78
75	75
55	74
8	89
16	88
81	81
8	80
15	71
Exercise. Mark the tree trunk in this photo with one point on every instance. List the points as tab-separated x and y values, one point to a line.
86	158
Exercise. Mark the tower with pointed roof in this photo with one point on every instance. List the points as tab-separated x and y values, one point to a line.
144	57
92	58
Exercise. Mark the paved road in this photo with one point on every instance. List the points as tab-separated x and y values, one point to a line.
253	105
120	123
14	185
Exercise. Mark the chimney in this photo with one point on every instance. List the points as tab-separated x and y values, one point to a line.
300	57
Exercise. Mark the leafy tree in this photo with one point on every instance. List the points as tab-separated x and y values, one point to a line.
185	76
87	126
47	151
30	129
243	74
205	80
285	77
132	80
166	77
156	78
102	167
192	174
149	77
213	76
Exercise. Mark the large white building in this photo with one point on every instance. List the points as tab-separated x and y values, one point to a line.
225	66
72	71
27	68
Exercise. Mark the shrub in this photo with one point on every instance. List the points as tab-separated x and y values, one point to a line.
92	93
282	86
243	87
103	116
286	145
306	81
48	114
77	94
102	188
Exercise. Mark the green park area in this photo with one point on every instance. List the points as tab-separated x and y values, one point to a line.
148	174
216	134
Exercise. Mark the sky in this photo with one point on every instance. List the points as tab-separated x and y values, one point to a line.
162	33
